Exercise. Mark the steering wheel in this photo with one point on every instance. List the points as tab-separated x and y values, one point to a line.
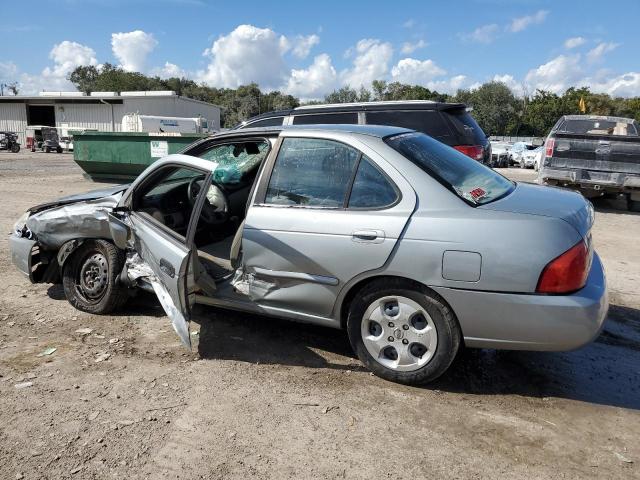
215	209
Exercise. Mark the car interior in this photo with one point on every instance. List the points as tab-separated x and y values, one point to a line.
171	197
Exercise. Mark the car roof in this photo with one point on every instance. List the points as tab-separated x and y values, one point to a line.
379	131
361	106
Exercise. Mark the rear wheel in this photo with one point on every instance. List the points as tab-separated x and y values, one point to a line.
633	205
403	332
89	277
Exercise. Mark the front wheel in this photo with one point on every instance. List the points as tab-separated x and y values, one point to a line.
89	277
402	332
15	148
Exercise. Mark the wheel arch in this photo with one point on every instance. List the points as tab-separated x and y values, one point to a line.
352	291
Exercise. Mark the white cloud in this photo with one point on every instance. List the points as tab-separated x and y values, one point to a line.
557	74
452	85
68	55
169	70
416	72
515	86
409	23
247	54
408	47
371	62
600	50
626	85
521	23
132	48
302	45
8	71
313	82
483	34
574	42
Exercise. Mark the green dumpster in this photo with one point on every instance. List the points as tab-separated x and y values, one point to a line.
123	155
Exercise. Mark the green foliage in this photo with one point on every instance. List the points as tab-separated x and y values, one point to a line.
495	107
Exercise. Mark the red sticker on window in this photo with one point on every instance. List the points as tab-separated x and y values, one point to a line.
477	193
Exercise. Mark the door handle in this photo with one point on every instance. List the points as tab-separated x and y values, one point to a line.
167	268
369	236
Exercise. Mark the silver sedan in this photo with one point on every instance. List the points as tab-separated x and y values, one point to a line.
410	246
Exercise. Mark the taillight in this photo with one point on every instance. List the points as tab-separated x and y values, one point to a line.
567	273
548	147
474	151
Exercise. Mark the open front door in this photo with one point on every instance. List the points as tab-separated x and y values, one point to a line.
168	258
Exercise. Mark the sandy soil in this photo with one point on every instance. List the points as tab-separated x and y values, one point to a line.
262	398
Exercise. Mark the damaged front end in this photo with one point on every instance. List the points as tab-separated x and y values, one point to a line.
45	236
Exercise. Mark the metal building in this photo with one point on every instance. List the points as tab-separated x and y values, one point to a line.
101	110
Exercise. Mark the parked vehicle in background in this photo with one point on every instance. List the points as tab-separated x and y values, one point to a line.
43	137
531	157
133	122
500	154
597	155
524	154
449	123
9	142
407	244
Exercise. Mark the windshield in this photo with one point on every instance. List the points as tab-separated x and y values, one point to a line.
233	161
467	178
598	126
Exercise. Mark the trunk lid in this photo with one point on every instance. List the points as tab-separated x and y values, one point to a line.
554	202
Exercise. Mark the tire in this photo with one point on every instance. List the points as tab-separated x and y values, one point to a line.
59	150
633	205
47	149
15	148
99	293
430	359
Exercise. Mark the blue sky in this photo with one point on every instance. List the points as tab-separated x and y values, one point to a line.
310	48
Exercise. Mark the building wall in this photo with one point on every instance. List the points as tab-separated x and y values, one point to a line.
13	118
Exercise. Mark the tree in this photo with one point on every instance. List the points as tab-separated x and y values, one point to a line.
495	107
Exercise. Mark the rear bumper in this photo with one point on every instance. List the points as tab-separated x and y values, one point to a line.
532	322
592	179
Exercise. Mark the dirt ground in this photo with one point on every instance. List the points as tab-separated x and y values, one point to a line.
263	398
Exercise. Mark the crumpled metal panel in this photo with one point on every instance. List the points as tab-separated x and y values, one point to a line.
86	219
137	268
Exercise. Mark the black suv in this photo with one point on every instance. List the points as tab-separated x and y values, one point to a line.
449	123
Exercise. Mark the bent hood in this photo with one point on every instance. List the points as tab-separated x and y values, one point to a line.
80	197
555	202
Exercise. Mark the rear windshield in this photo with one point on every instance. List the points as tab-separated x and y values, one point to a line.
467	178
466	126
595	126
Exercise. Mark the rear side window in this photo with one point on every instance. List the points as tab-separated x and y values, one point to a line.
465	127
371	188
326	118
425	121
312	173
266	122
462	175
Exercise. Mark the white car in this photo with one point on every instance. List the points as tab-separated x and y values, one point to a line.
531	158
500	154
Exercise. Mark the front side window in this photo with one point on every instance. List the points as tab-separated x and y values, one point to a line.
371	189
462	175
312	173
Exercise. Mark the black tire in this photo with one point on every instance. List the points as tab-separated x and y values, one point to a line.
109	260
633	205
447	328
47	149
15	148
59	150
